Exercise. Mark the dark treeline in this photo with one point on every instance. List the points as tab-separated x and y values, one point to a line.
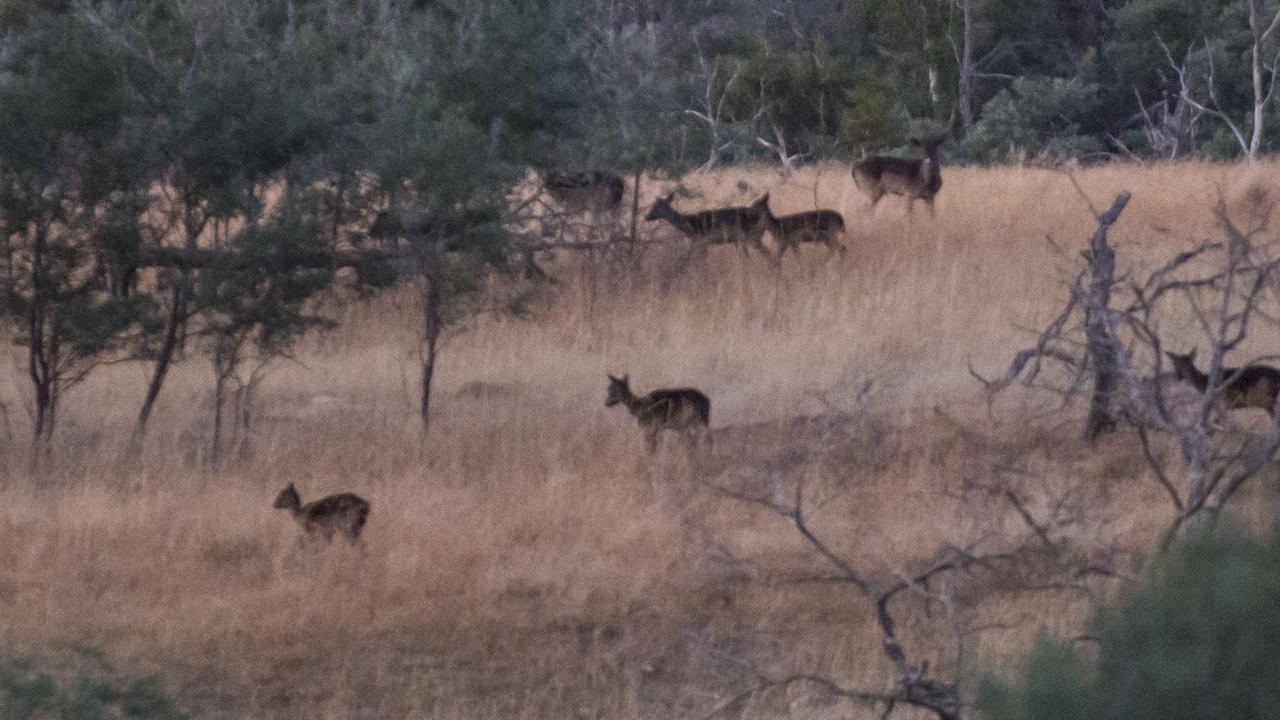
180	178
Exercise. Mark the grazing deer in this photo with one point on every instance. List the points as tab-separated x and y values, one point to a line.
682	410
741	225
920	179
345	513
1254	386
585	191
821	226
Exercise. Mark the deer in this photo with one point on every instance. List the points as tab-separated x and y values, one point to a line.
1253	386
915	179
584	191
682	410
819	226
741	225
345	513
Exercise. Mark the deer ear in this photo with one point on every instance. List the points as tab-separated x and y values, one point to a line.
1192	355
626	379
611	377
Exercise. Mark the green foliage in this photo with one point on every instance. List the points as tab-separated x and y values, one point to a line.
1197	639
1028	37
869	116
1035	117
27	693
808	95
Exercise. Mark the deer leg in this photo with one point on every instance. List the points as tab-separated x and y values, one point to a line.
651	440
702	436
693	451
758	240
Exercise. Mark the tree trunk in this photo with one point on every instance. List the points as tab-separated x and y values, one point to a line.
1255	29
635	205
175	326
1099	342
219	399
432	309
339	193
164	359
39	365
245	407
965	89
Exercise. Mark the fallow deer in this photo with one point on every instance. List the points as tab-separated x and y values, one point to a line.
1254	386
915	179
344	513
741	225
818	226
586	191
682	410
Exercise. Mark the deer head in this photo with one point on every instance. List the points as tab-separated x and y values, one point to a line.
661	208
288	499
619	390
1184	366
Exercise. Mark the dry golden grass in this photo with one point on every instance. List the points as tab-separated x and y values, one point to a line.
530	562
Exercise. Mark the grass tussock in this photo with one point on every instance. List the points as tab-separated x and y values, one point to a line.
529	560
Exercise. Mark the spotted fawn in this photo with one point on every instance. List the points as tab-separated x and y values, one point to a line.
683	410
344	513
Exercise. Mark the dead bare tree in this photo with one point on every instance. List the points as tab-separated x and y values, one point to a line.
1100	342
779	147
712	112
1225	301
1260	98
1263	84
1228	286
1031	538
964	89
1090	295
1170	124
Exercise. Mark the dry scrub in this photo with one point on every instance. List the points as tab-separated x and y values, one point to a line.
528	561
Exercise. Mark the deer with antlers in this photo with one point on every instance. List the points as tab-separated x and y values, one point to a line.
914	179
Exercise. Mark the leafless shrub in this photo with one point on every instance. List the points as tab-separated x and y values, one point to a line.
1029	537
1110	328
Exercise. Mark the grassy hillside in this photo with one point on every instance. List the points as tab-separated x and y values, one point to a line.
530	561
